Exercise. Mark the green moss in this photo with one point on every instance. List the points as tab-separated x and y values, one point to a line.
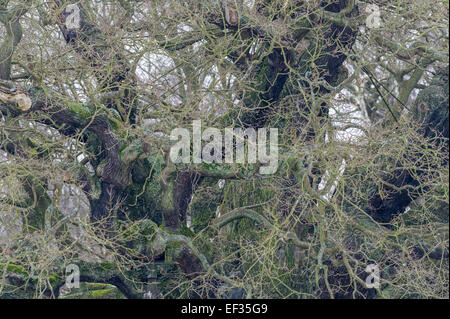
186	231
167	197
100	293
96	286
172	250
107	265
54	278
80	112
143	196
204	204
89	290
14	269
115	119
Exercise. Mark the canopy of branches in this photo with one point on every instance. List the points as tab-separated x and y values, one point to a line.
90	91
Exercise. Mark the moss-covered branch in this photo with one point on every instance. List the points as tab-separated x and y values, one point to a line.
240	213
